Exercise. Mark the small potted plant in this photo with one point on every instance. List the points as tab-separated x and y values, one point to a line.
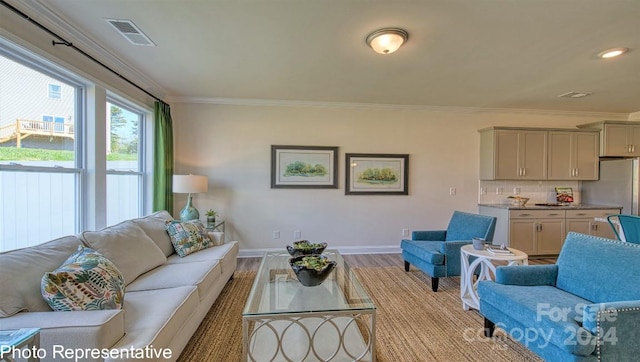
211	218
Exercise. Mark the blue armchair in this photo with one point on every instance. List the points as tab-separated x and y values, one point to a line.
437	252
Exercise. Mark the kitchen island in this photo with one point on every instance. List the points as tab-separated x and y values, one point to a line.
540	230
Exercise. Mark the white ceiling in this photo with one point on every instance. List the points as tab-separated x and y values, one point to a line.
517	54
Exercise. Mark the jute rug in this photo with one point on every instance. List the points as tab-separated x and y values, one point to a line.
412	322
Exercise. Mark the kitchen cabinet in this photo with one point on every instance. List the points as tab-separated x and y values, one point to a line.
573	155
617	138
584	221
513	154
537	232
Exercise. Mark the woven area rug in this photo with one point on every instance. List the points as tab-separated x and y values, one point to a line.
412	322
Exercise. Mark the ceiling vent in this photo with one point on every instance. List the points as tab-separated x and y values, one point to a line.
574	95
131	32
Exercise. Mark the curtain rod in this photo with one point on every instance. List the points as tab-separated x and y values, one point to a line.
63	41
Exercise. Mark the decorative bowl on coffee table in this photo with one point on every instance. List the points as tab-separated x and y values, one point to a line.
304	247
311	270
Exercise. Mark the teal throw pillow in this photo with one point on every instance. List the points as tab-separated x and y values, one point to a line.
85	281
188	237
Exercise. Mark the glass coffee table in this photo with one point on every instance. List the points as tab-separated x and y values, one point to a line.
286	321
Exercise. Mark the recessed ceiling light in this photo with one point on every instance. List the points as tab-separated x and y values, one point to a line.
574	94
611	53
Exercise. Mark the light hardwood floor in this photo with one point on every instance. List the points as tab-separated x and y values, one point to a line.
367	261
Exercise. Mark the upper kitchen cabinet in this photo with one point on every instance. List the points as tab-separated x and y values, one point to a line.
513	154
617	138
573	155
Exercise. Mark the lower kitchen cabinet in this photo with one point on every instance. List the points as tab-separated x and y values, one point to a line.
542	231
537	232
584	221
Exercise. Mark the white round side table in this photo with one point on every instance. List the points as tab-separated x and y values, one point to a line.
483	259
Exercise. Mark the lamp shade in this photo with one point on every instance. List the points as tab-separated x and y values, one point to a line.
190	184
388	40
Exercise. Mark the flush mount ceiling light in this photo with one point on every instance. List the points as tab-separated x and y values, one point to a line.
387	40
612	53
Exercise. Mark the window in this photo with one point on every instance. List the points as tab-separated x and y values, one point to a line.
124	162
55	91
53	181
40	153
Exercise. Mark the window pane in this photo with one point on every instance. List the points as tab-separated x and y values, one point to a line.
36	207
34	127
122	138
124	176
123	197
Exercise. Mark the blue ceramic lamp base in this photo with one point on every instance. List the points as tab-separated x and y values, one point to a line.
189	212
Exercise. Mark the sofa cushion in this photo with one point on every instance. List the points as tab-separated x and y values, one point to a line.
153	226
21	271
188	237
226	253
86	281
154	317
429	251
201	274
128	247
550	313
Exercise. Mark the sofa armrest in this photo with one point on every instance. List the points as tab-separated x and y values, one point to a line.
430	235
77	329
527	274
616	326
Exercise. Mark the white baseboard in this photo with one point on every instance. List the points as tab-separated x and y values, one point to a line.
344	250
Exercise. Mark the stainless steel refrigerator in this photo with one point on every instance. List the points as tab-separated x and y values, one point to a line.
619	184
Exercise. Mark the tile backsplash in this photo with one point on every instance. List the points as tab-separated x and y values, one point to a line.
497	192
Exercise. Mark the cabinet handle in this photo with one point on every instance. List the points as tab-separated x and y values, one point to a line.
577	173
553	214
581	214
629	149
525	214
633	148
524	171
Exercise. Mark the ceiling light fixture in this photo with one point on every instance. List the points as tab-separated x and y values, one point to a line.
387	40
612	53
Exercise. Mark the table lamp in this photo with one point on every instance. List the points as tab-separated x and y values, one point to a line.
189	184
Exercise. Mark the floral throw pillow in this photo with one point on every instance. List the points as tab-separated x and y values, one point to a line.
85	281
188	237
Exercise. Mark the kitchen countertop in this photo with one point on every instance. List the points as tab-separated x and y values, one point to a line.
546	207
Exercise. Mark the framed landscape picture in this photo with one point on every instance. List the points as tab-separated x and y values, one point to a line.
376	174
305	167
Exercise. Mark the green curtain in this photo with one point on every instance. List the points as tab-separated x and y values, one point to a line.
163	158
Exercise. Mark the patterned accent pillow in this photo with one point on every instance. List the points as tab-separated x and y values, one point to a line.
188	237
85	281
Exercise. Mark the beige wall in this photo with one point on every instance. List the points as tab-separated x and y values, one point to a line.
231	145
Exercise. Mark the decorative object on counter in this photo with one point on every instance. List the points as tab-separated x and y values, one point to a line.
478	243
311	270
304	247
519	200
564	195
211	218
189	184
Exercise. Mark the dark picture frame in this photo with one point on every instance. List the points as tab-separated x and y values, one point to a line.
376	174
304	167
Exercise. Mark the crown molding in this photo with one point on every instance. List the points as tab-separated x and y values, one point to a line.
39	11
393	107
635	116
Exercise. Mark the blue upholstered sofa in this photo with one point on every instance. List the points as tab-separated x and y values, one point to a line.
437	252
586	307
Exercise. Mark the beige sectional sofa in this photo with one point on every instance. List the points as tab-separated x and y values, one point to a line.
166	296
